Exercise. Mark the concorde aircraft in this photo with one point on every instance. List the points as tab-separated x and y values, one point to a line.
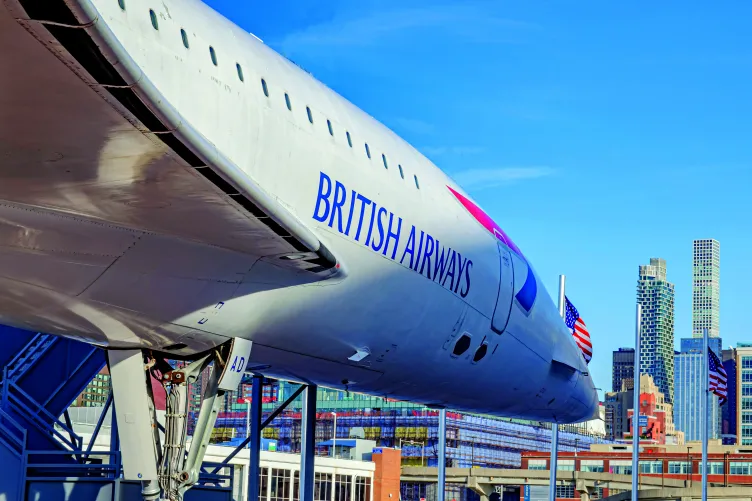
172	188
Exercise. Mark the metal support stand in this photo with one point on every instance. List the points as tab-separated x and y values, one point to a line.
552	467
441	488
254	451
114	438
636	408
705	418
308	447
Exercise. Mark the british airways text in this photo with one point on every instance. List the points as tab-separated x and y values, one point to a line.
361	219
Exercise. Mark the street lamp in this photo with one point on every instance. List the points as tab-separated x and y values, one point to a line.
247	418
334	439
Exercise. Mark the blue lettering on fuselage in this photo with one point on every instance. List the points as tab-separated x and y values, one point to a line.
380	229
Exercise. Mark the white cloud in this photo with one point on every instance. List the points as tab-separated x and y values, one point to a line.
436	151
416	126
470	21
488	178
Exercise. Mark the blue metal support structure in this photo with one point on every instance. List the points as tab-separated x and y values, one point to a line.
276	412
114	434
255	449
98	428
441	488
308	443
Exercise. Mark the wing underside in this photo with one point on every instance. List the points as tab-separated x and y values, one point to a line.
84	133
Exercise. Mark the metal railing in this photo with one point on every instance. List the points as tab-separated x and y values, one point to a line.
12	434
92	469
37	346
14	397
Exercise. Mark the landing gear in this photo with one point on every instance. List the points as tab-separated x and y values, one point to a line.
167	472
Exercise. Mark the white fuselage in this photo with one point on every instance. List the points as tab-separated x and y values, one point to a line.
174	266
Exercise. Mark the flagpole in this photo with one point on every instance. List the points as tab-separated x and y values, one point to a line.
705	396
636	407
555	425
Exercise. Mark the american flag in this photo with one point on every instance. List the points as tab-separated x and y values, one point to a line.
717	377
578	330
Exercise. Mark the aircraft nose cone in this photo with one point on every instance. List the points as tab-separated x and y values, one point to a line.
582	404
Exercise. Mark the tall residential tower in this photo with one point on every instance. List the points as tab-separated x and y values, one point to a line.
706	287
656	295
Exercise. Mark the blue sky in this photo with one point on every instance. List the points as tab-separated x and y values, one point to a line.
597	134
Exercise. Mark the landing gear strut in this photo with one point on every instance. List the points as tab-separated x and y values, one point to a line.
167	472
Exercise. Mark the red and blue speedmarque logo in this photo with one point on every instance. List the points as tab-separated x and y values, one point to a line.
527	294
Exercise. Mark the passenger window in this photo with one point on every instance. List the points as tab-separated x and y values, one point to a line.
121	3
240	72
368	151
383	157
184	36
153	16
310	116
213	55
349	140
417	185
287	100
402	174
263	85
329	124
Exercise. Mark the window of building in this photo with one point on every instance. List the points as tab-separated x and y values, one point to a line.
368	151
329	126
322	487
536	464
362	489
213	54
402	174
714	468
287	102
154	21
591	465
184	36
342	487
417	185
740	468
620	467
565	491
296	485
280	485
240	72
383	158
651	466
349	139
683	467
263	483
263	86
565	465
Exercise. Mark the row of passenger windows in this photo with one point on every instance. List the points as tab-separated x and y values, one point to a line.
265	88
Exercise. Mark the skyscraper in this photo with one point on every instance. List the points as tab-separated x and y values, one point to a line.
656	296
622	368
743	392
729	411
689	390
706	287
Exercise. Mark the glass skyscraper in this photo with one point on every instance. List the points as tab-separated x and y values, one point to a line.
656	295
689	390
744	393
706	287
